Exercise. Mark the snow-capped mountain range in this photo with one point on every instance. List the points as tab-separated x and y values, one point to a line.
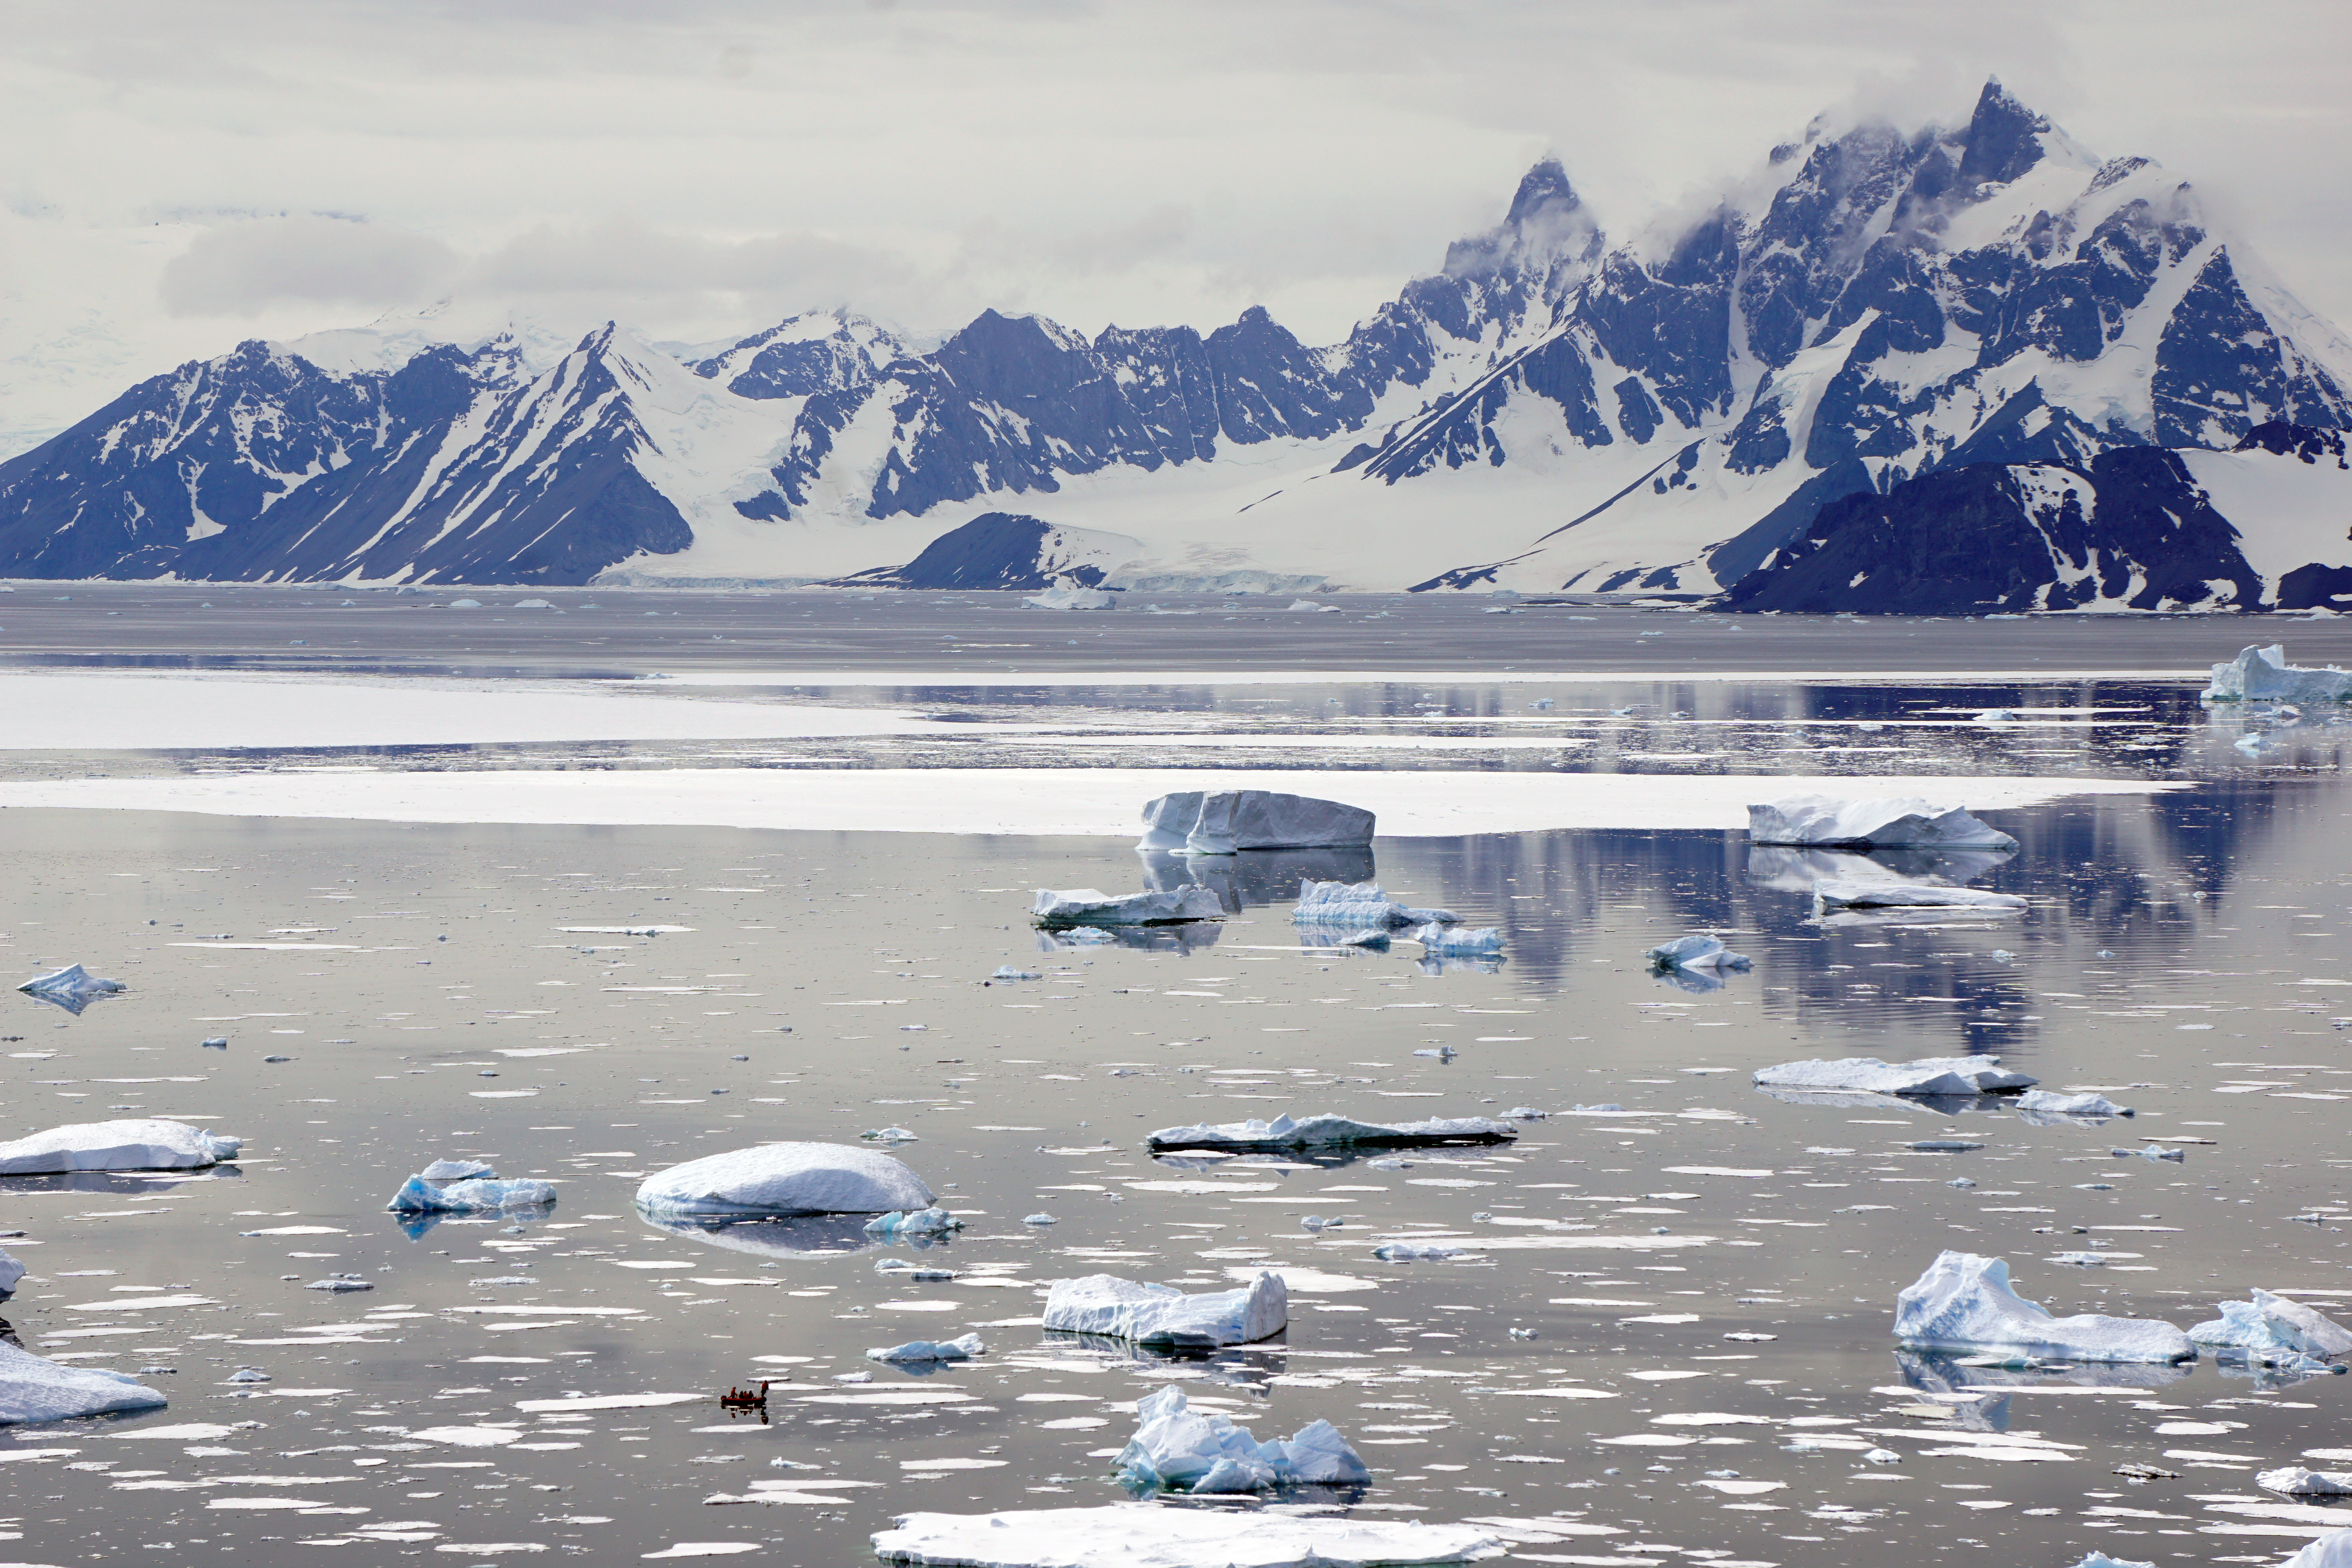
1549	411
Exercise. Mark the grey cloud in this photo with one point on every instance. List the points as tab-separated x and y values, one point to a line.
241	268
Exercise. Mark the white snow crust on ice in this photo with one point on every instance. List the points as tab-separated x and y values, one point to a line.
475	1195
1964	1302
2263	675
33	1388
1184	1449
1868	1075
1880	823
1091	907
1329	1131
1089	801
1162	1315
456	1170
1909	896
2047	1103
129	1145
11	1272
2272	1325
920	1350
2297	1481
786	1179
1697	952
1142	1535
1227	821
1363	905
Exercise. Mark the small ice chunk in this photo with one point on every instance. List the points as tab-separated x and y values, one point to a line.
1877	824
963	1349
1416	1252
1006	972
1330	1130
2333	1550
1440	938
35	1389
338	1285
2273	1323
1040	1219
1909	896
2043	1101
888	1135
71	987
1358	904
786	1179
131	1146
2101	1559
2263	675
1226	822
1087	906
1183	1449
1697	953
1927	1076
1132	1537
455	1170
915	1222
1964	1302
474	1195
1162	1315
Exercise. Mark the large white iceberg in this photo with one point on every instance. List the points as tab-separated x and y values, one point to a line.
2271	1327
1900	822
1226	821
1087	906
471	1195
1360	905
786	1179
1162	1315
134	1145
2263	675
1927	1076
1909	896
1964	1302
1145	1535
71	987
35	1389
1185	1450
1328	1131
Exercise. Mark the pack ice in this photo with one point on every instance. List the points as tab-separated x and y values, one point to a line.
1143	1535
70	987
1225	821
35	1389
1361	905
1907	896
927	1221
1183	1449
136	1145
1897	823
1964	1302
2263	675
1087	906
786	1179
1328	1131
1162	1315
1868	1075
2273	1328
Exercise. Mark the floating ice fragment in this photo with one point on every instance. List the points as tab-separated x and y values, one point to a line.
1160	1315
786	1179
1440	938
475	1194
915	1222
1880	824
1964	1302
1330	1130
1882	1457
1697	952
1416	1252
11	1271
1359	904
129	1145
963	1349
1040	1218
1006	972
1144	1536
888	1135
1225	821
338	1285
1064	596
1087	906
216	1043
1318	1222
1927	1076
1909	896
2297	1481
1182	1449
2272	1325
33	1389
2263	674
2042	1100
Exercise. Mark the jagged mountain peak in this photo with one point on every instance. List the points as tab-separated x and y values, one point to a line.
1545	225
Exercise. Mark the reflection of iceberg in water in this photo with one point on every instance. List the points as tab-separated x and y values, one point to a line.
1246	1368
116	1181
1255	877
800	1236
1939	1371
1863	1100
1795	870
1181	937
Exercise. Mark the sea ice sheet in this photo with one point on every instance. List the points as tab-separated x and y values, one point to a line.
786	1179
1891	823
1143	1535
1331	1130
1162	1315
72	987
1964	1302
475	1195
131	1145
1697	952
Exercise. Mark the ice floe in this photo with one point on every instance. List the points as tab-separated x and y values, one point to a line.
915	1351
32	1389
2271	1327
1143	1535
1363	905
131	1145
2044	1101
1896	822
2330	1551
1964	1302
1330	1130
2297	1481
1183	1449
1225	821
1162	1315
1927	1076
1909	896
786	1179
1087	906
2263	675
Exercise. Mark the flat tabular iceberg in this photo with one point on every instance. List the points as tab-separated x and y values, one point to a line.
2271	1327
1360	905
2297	1481
1141	1535
2263	675
1486	942
1162	1315
1902	823
1087	906
1065	596
1328	1131
1929	1076
1189	1451
1909	896
473	1194
786	1179
1964	1302
35	1389
1225	821
135	1145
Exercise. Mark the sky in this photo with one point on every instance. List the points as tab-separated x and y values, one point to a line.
184	176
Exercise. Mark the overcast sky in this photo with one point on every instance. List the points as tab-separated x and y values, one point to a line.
182	176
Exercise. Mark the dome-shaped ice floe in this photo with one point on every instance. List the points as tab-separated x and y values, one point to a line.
786	1179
